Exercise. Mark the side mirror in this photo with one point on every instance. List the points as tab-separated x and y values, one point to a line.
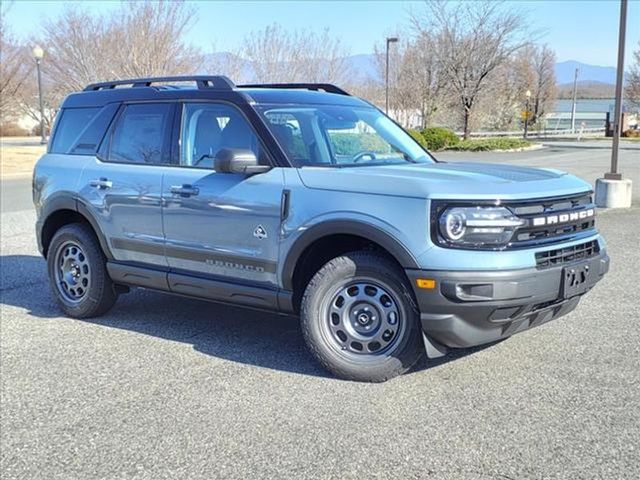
236	160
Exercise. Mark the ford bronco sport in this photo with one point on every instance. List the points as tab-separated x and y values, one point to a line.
302	199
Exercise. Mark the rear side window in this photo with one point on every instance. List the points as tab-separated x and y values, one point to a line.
142	134
70	126
89	141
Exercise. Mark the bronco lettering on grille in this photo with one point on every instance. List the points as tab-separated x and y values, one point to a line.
563	217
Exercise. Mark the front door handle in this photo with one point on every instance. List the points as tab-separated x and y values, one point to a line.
185	190
102	183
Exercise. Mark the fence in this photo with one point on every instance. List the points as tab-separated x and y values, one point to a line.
543	133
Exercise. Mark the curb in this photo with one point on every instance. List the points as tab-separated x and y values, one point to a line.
535	146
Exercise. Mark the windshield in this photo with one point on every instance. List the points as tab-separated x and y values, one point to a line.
340	136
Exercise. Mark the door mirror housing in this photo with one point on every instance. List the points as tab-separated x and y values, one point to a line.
236	160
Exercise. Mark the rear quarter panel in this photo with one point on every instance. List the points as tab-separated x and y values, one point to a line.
56	179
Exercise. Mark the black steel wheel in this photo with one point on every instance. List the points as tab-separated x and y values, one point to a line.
359	318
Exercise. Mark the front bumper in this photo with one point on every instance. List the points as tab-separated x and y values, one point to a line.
469	308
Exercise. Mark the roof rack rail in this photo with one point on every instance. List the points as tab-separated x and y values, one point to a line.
202	81
325	87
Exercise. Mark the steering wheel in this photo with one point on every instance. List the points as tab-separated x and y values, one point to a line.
362	155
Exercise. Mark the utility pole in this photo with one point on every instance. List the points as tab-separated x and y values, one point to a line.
613	191
38	55
386	81
617	116
526	114
573	104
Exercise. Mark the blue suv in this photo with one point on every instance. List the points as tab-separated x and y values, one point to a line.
302	199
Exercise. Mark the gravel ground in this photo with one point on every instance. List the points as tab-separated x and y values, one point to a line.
167	387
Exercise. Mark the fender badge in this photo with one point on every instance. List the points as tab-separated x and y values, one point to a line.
260	232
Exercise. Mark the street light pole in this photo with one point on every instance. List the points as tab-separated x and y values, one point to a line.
38	55
617	119
573	103
613	191
526	113
386	92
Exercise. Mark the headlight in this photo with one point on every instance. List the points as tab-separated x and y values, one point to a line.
477	226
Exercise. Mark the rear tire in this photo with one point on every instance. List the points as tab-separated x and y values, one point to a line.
359	318
78	273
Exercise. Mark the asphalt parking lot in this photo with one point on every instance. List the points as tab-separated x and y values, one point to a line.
167	387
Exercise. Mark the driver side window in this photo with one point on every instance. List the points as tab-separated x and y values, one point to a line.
209	127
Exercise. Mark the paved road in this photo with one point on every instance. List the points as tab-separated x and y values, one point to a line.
167	387
587	159
15	194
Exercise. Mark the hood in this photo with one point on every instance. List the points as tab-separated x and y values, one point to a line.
446	180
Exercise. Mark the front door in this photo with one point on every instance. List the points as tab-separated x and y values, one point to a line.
220	224
123	188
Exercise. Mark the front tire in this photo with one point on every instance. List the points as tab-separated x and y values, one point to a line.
359	318
78	273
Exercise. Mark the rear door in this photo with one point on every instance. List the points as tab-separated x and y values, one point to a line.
122	187
221	224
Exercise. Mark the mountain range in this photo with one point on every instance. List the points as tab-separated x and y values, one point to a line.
364	66
586	73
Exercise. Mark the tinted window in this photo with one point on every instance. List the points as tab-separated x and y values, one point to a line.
340	135
89	141
210	127
142	134
288	132
69	126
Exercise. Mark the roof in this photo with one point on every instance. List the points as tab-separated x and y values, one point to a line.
299	96
208	88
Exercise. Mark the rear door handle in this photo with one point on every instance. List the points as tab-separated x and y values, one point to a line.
185	190
101	183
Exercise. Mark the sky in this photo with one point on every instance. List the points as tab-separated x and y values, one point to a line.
586	31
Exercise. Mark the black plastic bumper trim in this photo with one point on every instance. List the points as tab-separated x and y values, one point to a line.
469	308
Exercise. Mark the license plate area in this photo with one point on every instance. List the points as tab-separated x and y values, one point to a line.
577	279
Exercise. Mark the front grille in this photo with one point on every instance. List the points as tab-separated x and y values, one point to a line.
562	256
552	220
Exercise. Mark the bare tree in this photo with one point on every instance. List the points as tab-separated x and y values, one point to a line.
230	64
632	90
474	39
543	89
78	50
504	99
277	55
499	105
427	75
14	67
148	39
403	96
140	39
27	99
417	85
368	88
